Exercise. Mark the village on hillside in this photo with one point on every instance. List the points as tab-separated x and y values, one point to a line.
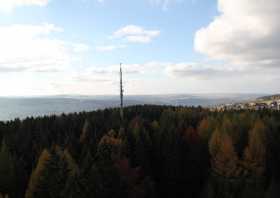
269	102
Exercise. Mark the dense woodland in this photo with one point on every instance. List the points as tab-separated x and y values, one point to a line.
156	151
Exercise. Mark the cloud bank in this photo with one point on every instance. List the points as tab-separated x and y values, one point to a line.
33	48
245	32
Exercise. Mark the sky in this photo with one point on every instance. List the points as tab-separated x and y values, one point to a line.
51	47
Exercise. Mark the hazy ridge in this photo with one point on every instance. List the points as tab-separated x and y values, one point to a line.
21	107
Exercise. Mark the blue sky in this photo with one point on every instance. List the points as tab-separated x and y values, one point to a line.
93	22
167	46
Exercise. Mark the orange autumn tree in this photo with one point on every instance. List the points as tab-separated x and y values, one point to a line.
224	158
215	143
191	136
204	129
53	169
37	176
255	152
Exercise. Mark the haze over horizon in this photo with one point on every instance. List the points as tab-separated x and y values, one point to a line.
56	47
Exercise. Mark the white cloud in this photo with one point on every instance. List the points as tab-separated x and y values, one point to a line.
108	48
110	73
10	5
168	77
245	32
136	34
33	48
203	70
185	70
175	77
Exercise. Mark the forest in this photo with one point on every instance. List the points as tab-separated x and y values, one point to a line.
154	152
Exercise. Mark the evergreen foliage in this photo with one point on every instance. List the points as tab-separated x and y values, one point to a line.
157	151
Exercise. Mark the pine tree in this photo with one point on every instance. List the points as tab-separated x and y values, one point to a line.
7	174
104	176
85	132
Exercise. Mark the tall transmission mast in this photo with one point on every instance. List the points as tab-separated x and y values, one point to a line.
121	93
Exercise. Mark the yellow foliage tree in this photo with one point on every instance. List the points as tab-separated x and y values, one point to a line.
255	152
36	175
203	129
53	169
224	158
110	147
225	161
215	142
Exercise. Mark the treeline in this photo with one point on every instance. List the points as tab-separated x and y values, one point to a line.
157	151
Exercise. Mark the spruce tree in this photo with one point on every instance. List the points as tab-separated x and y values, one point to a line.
7	174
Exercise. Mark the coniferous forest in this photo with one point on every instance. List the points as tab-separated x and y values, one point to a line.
155	152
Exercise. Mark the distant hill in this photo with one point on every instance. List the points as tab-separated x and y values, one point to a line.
22	107
271	97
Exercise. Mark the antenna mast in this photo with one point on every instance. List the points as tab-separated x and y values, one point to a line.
121	93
